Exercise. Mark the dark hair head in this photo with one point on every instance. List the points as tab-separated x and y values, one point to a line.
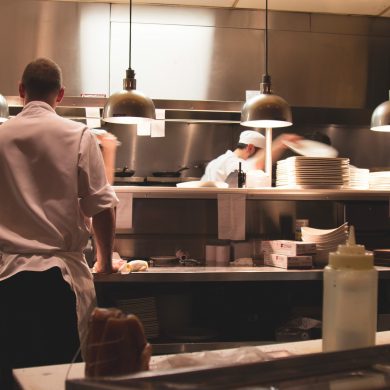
42	78
241	146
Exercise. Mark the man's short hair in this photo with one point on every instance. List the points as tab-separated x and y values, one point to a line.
243	146
41	79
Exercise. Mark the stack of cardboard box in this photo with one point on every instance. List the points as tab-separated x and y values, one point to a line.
288	254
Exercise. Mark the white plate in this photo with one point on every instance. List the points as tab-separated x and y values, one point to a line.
324	232
325	242
303	160
308	186
309	148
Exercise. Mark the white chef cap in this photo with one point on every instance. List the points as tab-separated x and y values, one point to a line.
252	137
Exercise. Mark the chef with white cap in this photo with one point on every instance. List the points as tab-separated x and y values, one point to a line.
250	146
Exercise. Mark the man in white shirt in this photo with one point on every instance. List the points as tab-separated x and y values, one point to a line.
53	184
249	152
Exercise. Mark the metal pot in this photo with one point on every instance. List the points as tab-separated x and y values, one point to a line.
164	261
169	173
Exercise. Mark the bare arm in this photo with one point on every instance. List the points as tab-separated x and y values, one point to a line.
108	144
278	147
103	225
259	159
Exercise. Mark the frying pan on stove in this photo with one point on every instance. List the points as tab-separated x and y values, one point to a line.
169	173
124	172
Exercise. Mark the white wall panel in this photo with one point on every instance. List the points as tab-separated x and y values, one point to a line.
170	61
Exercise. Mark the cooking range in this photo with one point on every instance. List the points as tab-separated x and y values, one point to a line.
125	176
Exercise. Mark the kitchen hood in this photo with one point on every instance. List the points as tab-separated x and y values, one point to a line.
204	111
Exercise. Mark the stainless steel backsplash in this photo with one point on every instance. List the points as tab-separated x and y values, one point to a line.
315	60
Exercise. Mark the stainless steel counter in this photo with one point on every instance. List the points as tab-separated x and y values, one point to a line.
53	377
253	193
218	274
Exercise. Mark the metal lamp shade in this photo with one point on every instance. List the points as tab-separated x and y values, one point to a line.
380	119
266	111
129	107
4	111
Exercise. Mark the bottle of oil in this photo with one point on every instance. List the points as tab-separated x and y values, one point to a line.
241	179
350	298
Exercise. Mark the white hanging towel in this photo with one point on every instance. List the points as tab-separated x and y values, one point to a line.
124	211
231	216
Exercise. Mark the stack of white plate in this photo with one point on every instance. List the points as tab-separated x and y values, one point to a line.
326	240
312	172
380	180
358	178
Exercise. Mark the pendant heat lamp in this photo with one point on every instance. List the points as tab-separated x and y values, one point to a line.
129	106
380	119
266	110
4	111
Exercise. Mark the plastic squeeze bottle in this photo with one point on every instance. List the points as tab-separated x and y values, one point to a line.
350	290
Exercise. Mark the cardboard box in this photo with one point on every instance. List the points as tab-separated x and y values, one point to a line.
288	262
287	247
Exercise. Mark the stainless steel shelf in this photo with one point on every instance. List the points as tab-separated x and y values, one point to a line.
219	274
261	194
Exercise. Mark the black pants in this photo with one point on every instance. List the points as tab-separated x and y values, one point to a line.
38	322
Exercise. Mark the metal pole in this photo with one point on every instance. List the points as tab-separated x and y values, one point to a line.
268	155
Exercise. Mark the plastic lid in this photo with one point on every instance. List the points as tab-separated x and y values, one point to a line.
351	255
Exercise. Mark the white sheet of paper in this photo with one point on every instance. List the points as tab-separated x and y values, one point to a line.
160	113
143	128
249	94
157	128
93	117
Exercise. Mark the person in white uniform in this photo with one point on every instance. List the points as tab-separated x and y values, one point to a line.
249	152
53	186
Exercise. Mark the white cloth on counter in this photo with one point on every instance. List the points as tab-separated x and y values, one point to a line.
124	211
231	216
134	266
256	178
233	356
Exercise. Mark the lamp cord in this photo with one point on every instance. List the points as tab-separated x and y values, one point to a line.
266	37
130	14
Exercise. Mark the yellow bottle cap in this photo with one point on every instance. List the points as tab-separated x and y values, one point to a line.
351	255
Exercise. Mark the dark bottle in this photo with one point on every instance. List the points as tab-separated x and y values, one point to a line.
241	179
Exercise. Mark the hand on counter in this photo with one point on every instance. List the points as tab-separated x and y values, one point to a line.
98	268
115	265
